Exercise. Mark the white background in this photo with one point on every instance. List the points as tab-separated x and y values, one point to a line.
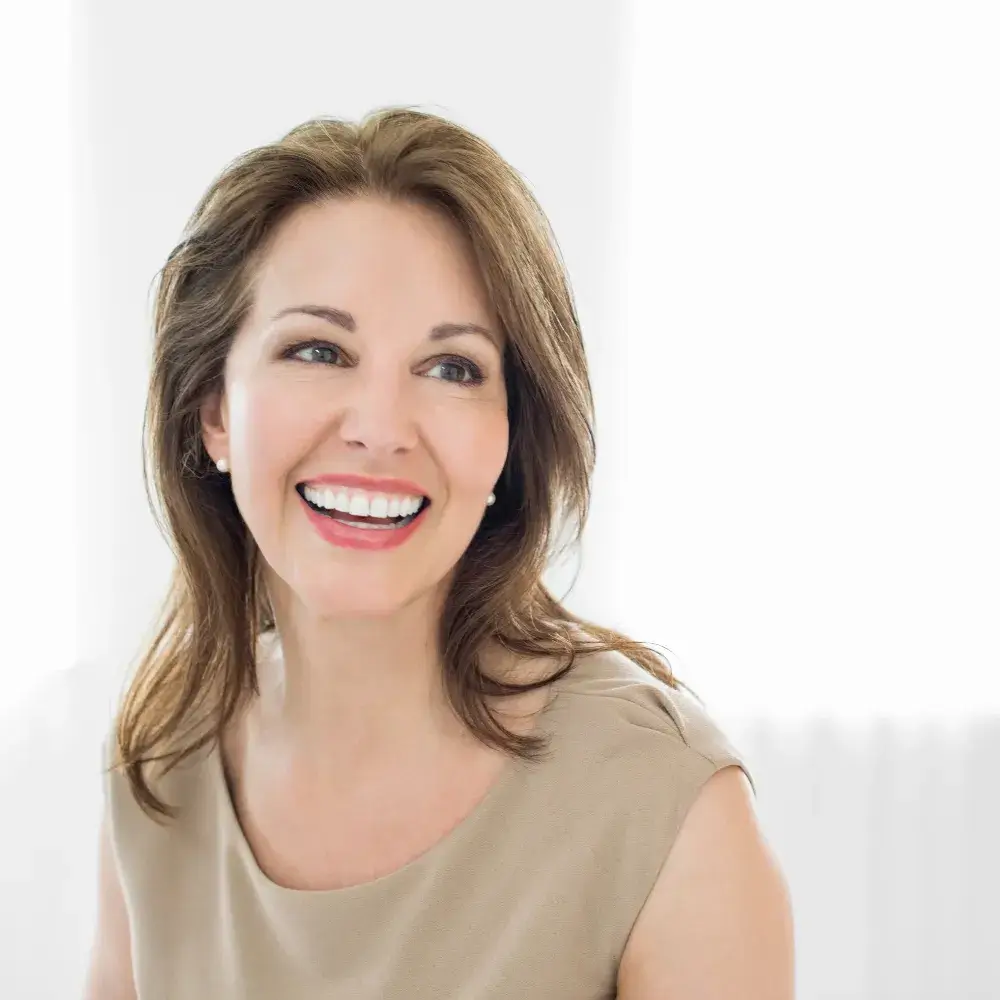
781	225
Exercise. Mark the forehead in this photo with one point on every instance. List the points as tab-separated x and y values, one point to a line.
372	257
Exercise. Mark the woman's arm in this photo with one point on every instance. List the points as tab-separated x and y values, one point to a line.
718	922
110	973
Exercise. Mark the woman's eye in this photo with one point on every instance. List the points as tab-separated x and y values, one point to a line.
461	371
462	367
303	348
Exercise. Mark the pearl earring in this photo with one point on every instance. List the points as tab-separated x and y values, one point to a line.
490	500
223	465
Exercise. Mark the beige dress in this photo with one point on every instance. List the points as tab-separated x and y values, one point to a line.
532	895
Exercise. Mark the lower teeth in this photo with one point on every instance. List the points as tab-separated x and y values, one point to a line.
370	525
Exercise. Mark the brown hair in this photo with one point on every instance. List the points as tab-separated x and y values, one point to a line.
200	663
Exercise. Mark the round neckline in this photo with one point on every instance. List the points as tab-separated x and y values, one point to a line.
233	829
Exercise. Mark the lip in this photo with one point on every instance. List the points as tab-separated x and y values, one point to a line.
369	483
344	536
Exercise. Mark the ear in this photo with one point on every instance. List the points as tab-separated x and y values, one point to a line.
214	415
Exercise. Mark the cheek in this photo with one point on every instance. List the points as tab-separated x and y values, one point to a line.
472	450
271	427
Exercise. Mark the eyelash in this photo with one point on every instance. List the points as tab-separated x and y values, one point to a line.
476	376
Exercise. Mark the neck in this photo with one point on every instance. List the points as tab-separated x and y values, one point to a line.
345	699
368	690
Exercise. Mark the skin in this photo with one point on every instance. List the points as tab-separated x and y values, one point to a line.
350	696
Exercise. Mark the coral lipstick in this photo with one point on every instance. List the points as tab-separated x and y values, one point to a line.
375	538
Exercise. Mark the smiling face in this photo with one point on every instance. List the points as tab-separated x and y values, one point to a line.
387	396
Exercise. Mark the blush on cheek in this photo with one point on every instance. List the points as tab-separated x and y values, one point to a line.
477	451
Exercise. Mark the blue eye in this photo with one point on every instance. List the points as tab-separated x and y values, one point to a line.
313	345
475	376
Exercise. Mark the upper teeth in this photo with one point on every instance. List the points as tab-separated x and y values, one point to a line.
359	502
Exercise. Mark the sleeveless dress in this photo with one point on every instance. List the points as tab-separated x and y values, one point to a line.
533	894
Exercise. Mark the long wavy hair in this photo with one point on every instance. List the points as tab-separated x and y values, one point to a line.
198	663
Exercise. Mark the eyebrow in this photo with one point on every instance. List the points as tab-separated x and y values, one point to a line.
341	318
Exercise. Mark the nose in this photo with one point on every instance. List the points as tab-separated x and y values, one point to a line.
378	414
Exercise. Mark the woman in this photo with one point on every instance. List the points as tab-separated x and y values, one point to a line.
367	753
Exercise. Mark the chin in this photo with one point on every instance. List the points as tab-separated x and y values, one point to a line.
359	598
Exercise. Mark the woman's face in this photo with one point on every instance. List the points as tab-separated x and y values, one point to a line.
306	397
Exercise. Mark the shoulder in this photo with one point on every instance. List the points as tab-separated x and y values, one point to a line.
718	921
699	877
668	738
185	787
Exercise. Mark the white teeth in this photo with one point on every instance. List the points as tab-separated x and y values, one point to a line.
362	504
